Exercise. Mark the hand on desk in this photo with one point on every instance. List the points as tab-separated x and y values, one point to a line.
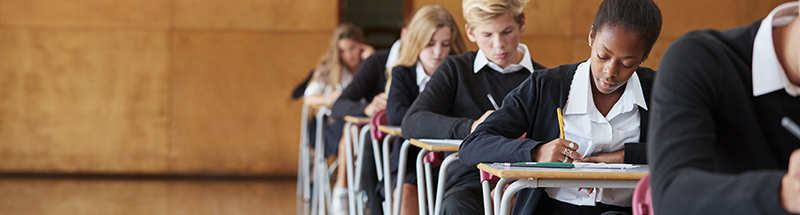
790	185
556	151
613	157
480	120
378	103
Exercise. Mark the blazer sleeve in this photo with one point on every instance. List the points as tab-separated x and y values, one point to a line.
366	84
401	95
496	138
683	137
426	117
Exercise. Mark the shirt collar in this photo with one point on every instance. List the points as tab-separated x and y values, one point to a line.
768	74
481	61
580	91
394	53
422	77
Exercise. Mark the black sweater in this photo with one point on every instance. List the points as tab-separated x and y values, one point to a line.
403	92
370	80
456	96
532	108
715	148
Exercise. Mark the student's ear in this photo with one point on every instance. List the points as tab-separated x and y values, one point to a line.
470	36
522	24
403	33
591	36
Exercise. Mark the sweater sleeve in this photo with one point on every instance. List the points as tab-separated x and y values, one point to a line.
426	117
683	137
366	84
496	139
401	95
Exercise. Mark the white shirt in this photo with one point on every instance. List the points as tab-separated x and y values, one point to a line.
422	77
394	53
321	89
481	61
587	127
768	74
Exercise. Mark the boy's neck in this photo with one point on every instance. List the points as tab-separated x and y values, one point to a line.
786	40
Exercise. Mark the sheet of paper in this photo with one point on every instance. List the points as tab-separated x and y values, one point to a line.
603	165
455	142
584	145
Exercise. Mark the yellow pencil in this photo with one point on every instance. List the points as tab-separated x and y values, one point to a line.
560	122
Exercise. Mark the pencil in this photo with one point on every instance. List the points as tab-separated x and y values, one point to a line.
491	99
560	122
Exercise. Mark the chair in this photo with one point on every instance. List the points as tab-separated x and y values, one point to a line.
377	120
642	198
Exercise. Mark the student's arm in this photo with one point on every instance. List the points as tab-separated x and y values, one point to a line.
313	94
426	117
495	140
401	95
682	139
367	83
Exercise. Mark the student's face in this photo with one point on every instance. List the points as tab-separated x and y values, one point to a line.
435	51
498	39
616	54
350	52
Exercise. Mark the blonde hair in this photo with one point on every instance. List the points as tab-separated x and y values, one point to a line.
425	22
483	11
329	67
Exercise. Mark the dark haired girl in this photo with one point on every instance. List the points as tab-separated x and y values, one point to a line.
604	103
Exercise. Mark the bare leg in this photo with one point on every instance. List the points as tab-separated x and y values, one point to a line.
410	206
341	172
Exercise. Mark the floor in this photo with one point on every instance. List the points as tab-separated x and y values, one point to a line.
99	195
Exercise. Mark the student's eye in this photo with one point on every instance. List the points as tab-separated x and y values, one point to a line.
487	35
431	44
627	67
601	58
507	32
446	44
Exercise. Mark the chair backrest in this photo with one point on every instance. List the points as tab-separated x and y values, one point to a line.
377	120
642	199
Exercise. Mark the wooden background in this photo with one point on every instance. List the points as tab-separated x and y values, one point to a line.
202	86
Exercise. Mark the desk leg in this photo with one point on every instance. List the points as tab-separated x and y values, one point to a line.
401	174
348	142
387	179
487	201
421	182
320	167
513	189
442	179
429	187
498	194
362	142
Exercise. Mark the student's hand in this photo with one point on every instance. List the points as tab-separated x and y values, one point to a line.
790	185
366	51
331	97
613	157
555	151
480	120
378	103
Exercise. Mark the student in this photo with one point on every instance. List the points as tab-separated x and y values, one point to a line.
363	97
454	99
334	72
431	35
604	103
717	144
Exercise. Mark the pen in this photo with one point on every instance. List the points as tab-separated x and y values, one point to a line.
790	126
491	99
560	122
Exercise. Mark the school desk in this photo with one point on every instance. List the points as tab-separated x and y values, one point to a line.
391	132
540	177
354	126
424	186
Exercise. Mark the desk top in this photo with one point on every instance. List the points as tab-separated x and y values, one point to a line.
357	119
437	145
391	129
564	173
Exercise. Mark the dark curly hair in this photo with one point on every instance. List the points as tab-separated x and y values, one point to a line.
638	16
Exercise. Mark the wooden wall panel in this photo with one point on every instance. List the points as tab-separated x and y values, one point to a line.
548	18
282	15
86	13
232	112
83	101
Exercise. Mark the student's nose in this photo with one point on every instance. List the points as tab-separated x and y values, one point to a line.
498	42
437	51
611	68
